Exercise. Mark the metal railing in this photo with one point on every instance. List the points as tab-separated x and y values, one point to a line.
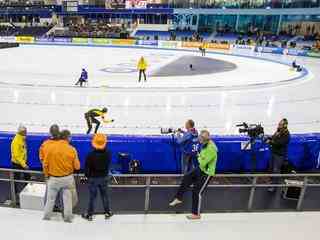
252	181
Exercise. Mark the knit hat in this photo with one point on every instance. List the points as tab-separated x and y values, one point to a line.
99	141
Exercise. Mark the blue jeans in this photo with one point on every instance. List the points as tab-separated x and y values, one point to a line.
96	184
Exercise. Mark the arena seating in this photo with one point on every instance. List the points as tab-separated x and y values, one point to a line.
32	31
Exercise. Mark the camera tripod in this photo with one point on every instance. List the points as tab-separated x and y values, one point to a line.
250	146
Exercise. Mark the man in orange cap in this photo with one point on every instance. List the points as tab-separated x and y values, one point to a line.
97	170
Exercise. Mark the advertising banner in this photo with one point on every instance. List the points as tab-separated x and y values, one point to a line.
24	39
62	40
101	41
313	54
148	42
297	52
208	45
9	39
169	44
44	40
243	47
80	40
136	3
274	50
191	44
123	41
218	46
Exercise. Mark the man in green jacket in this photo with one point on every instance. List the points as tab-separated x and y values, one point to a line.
200	176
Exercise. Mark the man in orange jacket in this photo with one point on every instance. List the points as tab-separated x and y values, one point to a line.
54	137
59	164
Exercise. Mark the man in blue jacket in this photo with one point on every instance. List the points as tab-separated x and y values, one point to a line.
188	142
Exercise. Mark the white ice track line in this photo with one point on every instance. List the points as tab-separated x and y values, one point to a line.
25	224
144	109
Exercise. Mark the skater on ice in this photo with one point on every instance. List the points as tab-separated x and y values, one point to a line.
92	115
296	67
142	67
202	49
83	78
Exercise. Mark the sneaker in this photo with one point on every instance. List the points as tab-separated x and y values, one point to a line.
67	220
271	189
194	217
87	217
175	202
108	215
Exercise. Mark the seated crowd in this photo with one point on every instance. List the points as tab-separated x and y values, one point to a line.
98	29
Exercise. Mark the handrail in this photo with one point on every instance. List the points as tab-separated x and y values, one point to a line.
147	185
180	175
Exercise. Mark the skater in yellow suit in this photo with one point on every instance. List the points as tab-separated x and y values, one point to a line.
142	67
92	115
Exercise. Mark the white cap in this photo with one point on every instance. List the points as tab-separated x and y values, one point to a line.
22	128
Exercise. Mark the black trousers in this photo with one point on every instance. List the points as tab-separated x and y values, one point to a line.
275	165
19	176
200	181
81	81
90	120
144	75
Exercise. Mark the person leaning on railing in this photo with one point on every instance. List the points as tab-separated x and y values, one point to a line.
19	156
59	165
200	176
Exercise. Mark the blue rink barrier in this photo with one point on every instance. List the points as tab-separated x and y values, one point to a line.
160	154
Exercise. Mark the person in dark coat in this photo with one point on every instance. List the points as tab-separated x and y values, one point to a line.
97	167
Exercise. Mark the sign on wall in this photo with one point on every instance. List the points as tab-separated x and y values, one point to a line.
136	3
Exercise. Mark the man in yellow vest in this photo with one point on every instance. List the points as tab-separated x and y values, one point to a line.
202	49
19	157
142	67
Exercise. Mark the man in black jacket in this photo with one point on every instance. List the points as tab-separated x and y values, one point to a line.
97	170
279	150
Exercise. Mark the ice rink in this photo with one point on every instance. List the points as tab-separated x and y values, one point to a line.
37	89
25	224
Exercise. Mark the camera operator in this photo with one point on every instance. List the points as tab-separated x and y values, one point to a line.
279	150
188	142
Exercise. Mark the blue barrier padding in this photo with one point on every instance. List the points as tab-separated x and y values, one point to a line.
160	154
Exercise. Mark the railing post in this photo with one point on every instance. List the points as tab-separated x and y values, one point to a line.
12	189
252	192
147	195
302	193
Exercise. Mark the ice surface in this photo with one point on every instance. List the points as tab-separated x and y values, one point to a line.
36	88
